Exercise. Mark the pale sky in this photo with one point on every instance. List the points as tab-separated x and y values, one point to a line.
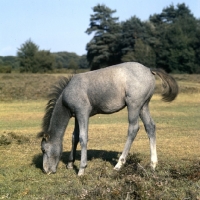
60	25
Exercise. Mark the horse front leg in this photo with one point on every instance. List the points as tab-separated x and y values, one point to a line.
132	132
75	140
83	138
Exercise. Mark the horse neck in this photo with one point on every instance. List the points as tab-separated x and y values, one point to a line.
59	121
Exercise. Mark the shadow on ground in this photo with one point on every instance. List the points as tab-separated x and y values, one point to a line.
110	156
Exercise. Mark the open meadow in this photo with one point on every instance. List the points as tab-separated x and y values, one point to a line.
177	176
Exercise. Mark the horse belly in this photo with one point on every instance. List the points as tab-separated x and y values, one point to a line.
107	106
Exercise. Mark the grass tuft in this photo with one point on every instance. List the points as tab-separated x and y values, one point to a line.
19	139
11	137
4	140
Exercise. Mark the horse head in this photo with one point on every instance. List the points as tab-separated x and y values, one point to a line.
52	151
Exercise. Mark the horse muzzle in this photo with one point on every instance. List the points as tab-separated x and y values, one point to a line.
48	172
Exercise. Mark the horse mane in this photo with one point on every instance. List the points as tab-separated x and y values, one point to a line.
54	94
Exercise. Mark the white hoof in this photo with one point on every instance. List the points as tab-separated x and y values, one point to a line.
70	165
81	172
118	166
153	165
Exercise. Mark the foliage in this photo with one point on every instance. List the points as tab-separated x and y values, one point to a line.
176	28
102	49
83	63
169	40
8	63
44	61
5	69
142	53
70	61
26	55
34	60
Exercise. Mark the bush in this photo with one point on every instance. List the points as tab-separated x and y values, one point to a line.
5	69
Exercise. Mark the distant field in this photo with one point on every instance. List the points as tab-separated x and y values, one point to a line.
36	86
178	144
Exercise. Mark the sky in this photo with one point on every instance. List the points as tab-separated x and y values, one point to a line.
60	25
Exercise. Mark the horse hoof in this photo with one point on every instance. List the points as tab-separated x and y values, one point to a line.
81	172
153	166
70	165
116	168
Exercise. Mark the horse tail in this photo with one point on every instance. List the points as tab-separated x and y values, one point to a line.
169	84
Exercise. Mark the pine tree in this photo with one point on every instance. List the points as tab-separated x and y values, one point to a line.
102	49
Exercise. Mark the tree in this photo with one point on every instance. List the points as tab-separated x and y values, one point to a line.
63	59
83	63
134	42
43	62
73	65
33	60
132	30
142	53
26	55
8	63
176	30
102	50
196	48
5	67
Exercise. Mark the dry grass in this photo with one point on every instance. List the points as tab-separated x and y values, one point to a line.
177	175
36	86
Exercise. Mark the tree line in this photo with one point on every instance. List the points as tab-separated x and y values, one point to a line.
169	40
31	59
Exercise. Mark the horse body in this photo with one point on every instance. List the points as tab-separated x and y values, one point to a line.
103	91
107	90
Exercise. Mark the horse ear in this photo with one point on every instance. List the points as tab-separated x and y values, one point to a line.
46	136
40	134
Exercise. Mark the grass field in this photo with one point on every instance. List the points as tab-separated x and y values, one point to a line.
178	144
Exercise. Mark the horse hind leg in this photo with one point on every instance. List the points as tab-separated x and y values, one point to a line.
75	141
151	132
133	115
